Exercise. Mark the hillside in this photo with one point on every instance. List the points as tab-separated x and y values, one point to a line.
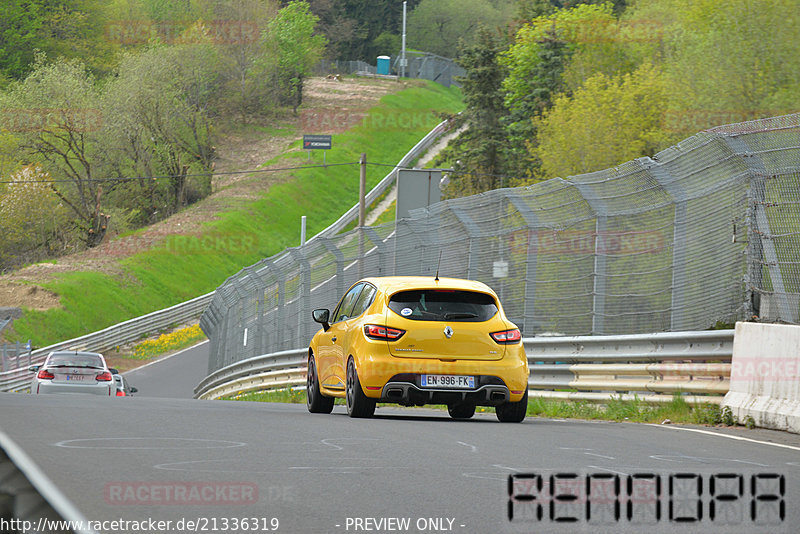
248	216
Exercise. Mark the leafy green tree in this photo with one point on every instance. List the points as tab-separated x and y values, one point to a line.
480	148
437	26
535	77
56	108
294	47
19	35
158	119
31	218
731	61
610	120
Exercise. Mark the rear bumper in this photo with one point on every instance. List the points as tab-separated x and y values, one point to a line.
390	379
44	387
405	389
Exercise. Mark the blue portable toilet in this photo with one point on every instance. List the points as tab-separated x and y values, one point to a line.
383	65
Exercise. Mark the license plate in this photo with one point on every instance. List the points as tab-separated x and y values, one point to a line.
448	381
72	378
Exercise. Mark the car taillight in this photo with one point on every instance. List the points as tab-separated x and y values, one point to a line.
104	377
120	393
374	331
44	374
507	337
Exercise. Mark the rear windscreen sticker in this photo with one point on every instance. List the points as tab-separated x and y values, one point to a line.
405	312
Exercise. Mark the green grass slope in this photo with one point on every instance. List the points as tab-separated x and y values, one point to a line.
183	267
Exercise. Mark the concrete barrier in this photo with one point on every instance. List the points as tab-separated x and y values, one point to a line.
765	375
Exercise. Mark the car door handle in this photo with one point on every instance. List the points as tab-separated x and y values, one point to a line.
333	339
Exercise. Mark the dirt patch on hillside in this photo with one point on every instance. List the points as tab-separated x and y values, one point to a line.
27	296
330	106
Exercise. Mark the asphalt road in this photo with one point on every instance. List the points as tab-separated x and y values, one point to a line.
174	376
145	458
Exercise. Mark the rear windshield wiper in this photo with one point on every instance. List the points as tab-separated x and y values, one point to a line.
460	315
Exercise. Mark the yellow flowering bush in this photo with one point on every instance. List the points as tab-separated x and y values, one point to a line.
178	339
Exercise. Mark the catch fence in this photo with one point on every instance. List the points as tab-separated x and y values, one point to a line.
706	232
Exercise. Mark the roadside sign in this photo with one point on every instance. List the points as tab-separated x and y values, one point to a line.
317	142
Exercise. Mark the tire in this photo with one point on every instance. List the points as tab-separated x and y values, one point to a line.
513	412
316	402
461	410
358	404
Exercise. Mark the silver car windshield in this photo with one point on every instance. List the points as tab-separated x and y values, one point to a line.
75	360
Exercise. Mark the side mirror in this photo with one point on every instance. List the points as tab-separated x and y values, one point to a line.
134	390
113	371
322	316
34	368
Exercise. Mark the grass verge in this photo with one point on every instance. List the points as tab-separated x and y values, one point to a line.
637	411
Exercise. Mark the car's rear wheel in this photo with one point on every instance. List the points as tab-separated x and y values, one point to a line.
315	401
461	410
358	404
513	412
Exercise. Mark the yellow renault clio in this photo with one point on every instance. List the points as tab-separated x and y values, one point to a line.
415	341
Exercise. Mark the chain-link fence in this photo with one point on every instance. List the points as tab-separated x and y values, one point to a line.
707	231
419	65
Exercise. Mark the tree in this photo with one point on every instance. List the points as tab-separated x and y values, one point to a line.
19	35
437	26
158	123
56	106
480	147
606	122
291	40
31	218
535	71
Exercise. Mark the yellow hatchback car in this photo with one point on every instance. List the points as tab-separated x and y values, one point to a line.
416	341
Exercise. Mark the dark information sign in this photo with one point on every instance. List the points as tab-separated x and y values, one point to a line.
319	142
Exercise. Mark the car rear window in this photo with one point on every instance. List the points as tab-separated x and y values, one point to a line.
443	305
75	360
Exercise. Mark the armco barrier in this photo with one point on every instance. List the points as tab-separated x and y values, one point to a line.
29	501
651	367
765	376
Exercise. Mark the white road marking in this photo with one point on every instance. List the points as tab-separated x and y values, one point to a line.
738	438
473	447
609	470
174	443
701	459
600	455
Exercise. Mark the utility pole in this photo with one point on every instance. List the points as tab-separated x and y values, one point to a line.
362	212
403	47
362	191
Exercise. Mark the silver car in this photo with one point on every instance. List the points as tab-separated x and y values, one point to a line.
73	372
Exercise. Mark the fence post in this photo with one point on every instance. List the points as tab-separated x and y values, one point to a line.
304	309
531	259
600	274
679	241
763	250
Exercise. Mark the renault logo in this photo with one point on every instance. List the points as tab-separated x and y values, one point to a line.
448	332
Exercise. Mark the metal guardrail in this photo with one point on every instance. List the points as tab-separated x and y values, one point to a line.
109	338
650	367
29	501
